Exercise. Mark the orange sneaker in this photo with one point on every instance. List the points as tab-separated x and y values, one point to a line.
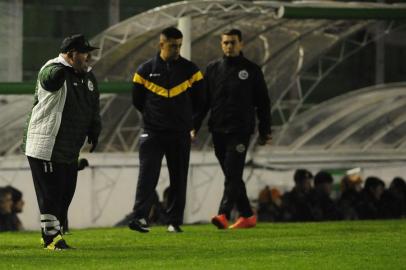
220	221
244	223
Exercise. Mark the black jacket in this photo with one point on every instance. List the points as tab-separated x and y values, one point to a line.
235	91
168	94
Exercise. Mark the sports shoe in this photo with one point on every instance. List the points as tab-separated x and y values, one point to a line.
220	221
139	225
58	244
174	229
244	223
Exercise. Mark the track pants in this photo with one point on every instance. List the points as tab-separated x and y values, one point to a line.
176	149
55	185
231	150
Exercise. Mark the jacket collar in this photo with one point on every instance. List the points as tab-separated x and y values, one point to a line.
160	60
233	60
62	60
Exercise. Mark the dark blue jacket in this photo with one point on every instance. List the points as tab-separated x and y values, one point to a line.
168	94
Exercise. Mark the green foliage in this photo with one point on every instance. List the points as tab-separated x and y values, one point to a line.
335	245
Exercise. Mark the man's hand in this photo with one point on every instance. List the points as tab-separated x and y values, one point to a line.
193	134
263	140
93	141
82	163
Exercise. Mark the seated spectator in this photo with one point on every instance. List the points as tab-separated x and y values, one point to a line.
6	206
351	186
276	206
17	207
264	204
295	204
323	207
394	199
370	206
157	214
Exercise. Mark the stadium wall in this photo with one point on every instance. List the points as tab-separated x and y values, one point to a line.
105	191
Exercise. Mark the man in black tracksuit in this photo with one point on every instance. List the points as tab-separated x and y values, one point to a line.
236	91
167	90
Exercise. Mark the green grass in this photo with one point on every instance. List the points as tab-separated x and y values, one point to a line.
335	245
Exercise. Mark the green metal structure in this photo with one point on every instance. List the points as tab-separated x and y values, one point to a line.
27	88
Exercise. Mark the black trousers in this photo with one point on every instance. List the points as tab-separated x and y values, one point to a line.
55	185
176	149
231	150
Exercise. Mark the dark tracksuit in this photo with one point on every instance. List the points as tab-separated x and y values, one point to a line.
167	93
65	112
235	91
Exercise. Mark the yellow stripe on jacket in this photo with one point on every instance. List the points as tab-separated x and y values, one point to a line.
174	91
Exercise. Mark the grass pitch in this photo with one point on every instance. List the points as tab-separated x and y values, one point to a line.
334	245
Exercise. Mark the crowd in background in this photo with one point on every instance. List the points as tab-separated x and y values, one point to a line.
311	200
11	203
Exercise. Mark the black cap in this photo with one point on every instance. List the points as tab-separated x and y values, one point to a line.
77	43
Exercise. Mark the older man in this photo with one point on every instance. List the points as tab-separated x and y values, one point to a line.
65	112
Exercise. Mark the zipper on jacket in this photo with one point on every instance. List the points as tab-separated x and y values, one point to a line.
167	77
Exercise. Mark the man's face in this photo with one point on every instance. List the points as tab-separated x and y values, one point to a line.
6	204
327	188
80	61
231	45
378	192
18	206
170	48
305	185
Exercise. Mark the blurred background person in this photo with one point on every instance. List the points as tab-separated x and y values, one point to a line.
264	204
269	204
351	186
295	203
6	208
323	207
17	207
394	199
370	204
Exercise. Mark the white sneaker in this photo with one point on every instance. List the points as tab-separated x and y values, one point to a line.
174	229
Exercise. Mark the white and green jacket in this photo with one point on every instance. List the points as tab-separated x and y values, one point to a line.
65	111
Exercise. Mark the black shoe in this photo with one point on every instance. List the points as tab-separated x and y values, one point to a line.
139	225
174	229
58	244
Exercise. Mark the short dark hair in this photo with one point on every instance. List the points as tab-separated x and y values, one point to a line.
15	193
323	177
233	32
3	193
172	32
301	175
373	182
